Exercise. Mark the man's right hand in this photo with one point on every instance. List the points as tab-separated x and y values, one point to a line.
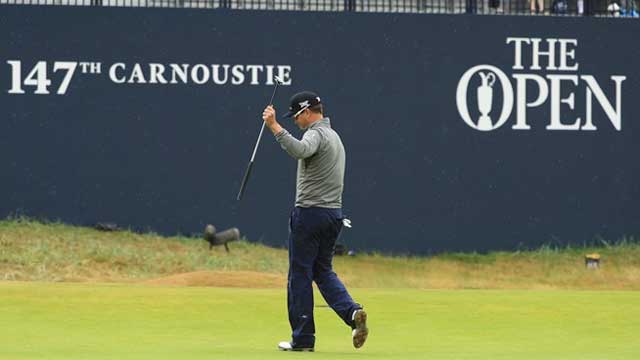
269	117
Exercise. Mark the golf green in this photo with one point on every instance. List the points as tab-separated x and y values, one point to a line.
104	321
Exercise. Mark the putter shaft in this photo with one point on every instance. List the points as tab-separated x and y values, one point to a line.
247	172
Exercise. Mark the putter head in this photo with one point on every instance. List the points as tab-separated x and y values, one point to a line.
278	80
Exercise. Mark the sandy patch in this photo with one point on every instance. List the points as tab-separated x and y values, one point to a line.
240	279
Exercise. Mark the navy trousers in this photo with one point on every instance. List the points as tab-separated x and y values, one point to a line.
312	238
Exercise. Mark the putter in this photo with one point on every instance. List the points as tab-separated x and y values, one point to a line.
245	178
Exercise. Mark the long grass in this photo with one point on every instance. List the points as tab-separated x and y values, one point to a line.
37	251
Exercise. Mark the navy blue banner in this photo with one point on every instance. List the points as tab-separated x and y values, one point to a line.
461	132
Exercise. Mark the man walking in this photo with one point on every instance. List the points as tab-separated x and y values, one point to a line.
315	222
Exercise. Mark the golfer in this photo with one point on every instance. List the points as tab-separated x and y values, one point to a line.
315	222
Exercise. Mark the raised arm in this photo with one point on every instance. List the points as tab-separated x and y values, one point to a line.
299	149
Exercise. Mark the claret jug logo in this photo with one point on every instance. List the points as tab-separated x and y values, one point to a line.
558	84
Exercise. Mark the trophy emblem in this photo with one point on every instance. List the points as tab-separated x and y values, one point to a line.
485	99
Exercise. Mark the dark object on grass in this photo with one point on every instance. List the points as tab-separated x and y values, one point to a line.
220	238
106	227
592	261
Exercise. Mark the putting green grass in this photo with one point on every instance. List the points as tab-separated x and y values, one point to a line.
106	321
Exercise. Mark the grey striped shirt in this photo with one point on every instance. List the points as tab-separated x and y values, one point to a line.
321	163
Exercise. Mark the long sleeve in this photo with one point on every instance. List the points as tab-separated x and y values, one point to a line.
300	149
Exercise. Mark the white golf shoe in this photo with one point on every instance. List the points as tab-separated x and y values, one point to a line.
286	346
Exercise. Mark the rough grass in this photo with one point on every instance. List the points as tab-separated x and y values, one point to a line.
35	251
32	250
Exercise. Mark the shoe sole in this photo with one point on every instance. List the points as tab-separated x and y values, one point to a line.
297	349
361	332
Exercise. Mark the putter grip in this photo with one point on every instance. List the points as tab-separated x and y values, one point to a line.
244	180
